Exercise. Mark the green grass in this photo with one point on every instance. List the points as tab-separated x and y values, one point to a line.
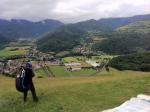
78	94
103	57
60	71
138	27
83	72
8	51
20	43
40	73
81	58
69	59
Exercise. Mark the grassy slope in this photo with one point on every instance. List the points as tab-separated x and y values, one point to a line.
60	71
7	51
88	94
69	59
20	43
139	27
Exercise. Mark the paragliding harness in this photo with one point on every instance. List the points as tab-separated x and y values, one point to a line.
20	81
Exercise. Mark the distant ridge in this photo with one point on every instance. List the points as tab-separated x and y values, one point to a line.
69	36
3	41
109	24
18	28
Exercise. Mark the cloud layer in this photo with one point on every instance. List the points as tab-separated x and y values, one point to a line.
71	10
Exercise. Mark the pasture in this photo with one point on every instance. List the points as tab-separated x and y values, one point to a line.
60	71
76	94
21	43
11	51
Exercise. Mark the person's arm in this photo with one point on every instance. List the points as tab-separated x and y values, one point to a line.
33	74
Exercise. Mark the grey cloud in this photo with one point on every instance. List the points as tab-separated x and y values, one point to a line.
71	10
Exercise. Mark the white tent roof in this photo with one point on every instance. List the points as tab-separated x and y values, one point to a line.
93	63
139	104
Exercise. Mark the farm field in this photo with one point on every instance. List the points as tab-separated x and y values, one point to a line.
76	94
60	71
20	43
72	59
82	58
11	51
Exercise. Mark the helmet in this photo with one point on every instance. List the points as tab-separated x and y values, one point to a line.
29	65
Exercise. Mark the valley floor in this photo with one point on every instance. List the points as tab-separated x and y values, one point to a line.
76	94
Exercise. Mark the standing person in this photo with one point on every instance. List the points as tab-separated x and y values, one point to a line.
29	74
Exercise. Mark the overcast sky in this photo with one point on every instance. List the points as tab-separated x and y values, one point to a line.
71	10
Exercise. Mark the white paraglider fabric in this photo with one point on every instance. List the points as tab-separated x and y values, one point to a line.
139	104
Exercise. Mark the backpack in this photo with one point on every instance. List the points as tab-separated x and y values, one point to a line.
20	81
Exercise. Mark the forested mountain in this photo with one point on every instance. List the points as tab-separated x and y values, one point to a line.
138	61
62	39
3	41
131	38
17	28
22	28
124	43
142	27
65	38
109	24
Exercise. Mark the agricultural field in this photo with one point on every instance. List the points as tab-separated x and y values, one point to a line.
21	43
104	57
70	59
11	51
40	73
76	94
82	58
60	71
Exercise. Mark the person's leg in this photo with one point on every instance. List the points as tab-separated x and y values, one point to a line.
33	92
25	96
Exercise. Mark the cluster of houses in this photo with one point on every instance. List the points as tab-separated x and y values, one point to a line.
73	66
40	60
76	66
10	67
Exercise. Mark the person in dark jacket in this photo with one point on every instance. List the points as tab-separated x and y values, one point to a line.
29	74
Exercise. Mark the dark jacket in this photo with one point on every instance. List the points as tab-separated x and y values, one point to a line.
29	74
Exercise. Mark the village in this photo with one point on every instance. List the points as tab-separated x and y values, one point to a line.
45	61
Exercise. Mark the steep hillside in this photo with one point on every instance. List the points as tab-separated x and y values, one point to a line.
137	27
134	37
139	61
124	43
3	41
64	38
68	36
110	24
22	28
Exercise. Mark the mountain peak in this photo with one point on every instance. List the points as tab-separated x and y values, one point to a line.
24	28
